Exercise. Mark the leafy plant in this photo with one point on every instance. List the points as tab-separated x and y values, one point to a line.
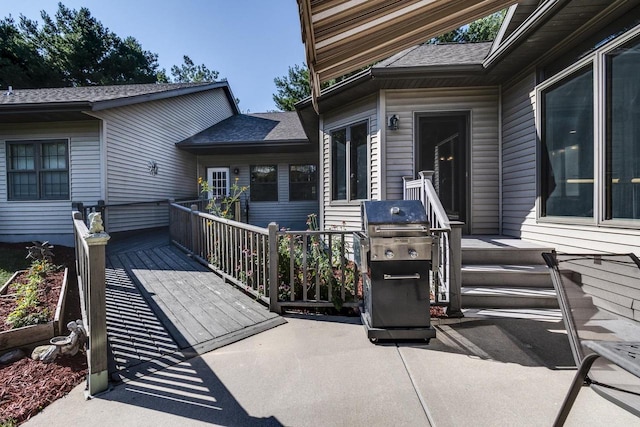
40	251
222	206
327	263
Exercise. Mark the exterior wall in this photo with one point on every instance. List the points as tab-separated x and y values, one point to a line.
519	184
346	214
139	134
286	213
482	103
51	219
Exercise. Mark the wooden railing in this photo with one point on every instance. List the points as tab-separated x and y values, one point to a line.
280	267
448	280
90	259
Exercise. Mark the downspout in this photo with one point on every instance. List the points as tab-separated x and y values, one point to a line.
382	145
104	195
500	174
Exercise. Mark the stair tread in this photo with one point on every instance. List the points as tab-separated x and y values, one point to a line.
506	268
509	292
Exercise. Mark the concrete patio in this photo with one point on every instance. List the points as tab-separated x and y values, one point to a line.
322	371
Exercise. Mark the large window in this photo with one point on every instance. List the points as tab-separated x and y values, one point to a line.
303	182
567	147
349	163
38	170
622	170
264	183
590	137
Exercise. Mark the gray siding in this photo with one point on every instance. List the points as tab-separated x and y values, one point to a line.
287	214
482	103
141	133
518	156
519	186
46	219
341	214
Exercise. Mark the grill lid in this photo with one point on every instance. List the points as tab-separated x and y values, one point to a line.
394	215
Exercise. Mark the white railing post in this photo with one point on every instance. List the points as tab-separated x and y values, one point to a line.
273	268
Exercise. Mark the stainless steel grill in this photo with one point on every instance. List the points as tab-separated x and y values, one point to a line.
394	253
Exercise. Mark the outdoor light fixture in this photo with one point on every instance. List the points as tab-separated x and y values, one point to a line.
236	171
393	122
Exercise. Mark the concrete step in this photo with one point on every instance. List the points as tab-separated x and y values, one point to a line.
493	250
508	297
527	275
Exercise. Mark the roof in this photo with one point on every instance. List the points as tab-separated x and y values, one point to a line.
445	54
252	133
94	98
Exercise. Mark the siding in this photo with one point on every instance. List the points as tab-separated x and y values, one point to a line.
341	214
141	133
287	214
519	186
482	103
51	220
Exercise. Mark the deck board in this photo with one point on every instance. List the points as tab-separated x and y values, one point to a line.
163	306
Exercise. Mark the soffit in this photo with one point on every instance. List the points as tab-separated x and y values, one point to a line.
343	35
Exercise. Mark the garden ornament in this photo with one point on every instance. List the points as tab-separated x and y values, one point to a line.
66	346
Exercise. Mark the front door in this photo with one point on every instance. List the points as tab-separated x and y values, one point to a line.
218	179
441	148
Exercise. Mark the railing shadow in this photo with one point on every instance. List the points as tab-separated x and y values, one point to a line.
189	389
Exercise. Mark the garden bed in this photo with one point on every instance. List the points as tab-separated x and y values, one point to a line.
52	293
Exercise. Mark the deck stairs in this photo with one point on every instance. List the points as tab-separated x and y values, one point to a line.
505	273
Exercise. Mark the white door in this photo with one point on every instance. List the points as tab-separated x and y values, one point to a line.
218	179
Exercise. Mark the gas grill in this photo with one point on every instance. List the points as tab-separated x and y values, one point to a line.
395	254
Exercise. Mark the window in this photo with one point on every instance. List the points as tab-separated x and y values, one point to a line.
303	182
349	163
264	183
567	147
590	137
622	170
38	170
218	179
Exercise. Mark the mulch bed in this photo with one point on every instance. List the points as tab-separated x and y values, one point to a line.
27	386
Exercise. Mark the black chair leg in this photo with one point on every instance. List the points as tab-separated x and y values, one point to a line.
578	381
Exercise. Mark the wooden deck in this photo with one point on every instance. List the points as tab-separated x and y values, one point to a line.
163	306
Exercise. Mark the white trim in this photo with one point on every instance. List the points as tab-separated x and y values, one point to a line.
321	172
382	144
346	126
500	173
210	172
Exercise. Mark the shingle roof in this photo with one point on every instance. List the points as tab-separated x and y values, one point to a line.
426	55
250	129
91	94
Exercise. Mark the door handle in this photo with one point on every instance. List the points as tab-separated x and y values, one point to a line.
401	276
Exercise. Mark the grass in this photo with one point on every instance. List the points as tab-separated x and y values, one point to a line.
12	259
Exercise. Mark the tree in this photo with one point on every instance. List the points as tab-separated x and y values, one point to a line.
484	29
292	88
188	72
296	86
70	49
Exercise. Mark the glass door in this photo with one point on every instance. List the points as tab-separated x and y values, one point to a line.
218	179
441	148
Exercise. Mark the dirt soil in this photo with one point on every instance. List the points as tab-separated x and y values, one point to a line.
27	386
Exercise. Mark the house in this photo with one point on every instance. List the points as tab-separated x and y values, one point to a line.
270	154
533	136
121	145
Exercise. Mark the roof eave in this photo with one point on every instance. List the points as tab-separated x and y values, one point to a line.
122	102
47	107
431	70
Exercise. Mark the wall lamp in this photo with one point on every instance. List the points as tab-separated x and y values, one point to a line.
236	171
393	123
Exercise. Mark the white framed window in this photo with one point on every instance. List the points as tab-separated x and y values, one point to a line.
218	179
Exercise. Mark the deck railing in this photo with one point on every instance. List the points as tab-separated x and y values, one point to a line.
90	259
282	268
448	276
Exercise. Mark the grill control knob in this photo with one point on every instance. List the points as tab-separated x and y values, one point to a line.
413	253
389	253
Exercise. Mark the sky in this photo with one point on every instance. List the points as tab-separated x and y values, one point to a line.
250	42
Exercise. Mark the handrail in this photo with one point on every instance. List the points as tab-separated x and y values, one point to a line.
283	268
446	283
